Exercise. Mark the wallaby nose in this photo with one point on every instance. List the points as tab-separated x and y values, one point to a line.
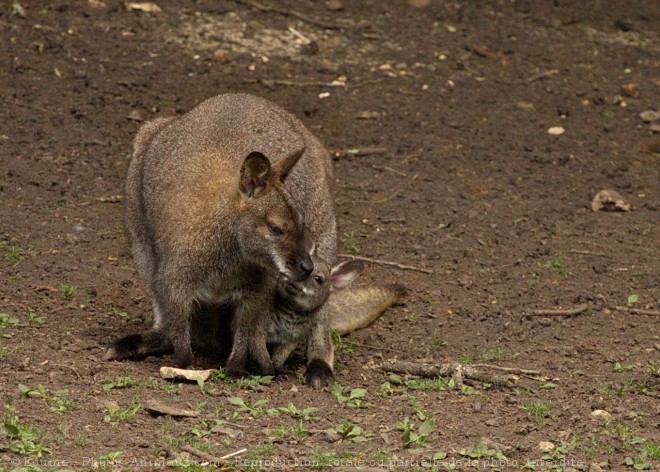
306	267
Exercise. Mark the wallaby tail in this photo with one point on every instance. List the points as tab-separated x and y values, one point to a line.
356	308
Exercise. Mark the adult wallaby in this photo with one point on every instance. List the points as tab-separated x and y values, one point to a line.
210	218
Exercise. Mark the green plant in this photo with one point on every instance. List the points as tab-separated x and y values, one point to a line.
292	410
120	382
322	460
8	321
20	439
349	432
556	264
35	321
12	253
341	344
482	450
652	449
253	409
493	355
283	431
348	240
105	462
632	300
354	398
68	291
415	437
58	401
654	368
437	340
538	409
638	463
114	415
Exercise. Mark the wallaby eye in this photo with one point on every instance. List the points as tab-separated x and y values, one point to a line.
318	279
274	230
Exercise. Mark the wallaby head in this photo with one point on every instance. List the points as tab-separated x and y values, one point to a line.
270	225
308	295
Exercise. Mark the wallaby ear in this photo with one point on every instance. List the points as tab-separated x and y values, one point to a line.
343	274
308	239
282	167
255	172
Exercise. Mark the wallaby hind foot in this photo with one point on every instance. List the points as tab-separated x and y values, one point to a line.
139	346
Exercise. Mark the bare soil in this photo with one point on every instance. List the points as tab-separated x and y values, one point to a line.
449	106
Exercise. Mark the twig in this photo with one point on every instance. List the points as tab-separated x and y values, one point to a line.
381	262
394	171
540	75
299	35
512	370
230	455
587	253
383	200
366	82
367	151
638	311
559	312
290	83
289	12
455	370
210	457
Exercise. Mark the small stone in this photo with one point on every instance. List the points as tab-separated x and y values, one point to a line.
334	5
323	95
135	115
556	130
546	446
630	90
609	200
106	404
600	414
649	116
147	7
493	422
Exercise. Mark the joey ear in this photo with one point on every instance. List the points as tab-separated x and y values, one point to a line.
282	167
255	173
343	274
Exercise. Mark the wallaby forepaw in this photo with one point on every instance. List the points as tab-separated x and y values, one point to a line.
319	374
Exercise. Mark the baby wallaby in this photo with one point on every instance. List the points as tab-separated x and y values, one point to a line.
217	201
297	305
297	308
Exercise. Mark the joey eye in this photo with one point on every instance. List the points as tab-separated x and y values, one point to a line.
318	279
274	230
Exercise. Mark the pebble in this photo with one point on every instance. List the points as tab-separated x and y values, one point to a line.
556	130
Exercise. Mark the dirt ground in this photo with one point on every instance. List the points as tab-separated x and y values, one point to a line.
439	118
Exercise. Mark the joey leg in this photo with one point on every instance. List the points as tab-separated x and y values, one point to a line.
320	354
